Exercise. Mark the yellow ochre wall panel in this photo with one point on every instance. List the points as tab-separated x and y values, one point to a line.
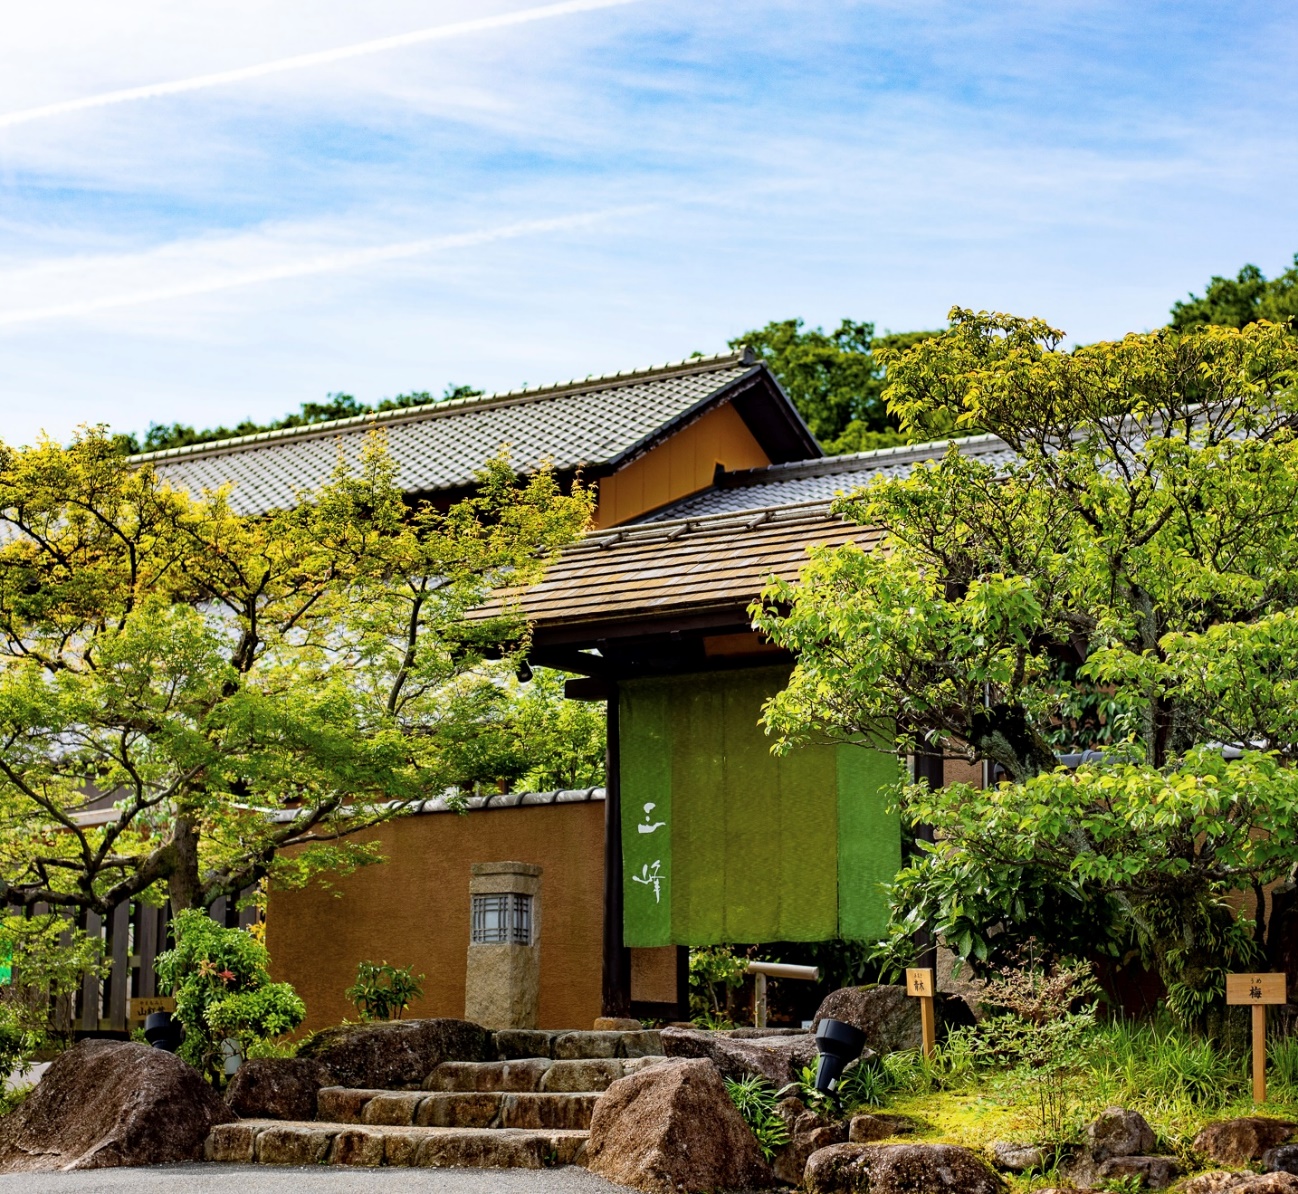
680	465
413	910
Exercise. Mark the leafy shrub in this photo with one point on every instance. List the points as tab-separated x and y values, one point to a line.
383	992
756	1098
49	958
715	971
1040	1035
222	987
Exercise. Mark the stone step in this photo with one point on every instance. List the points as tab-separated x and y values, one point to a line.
516	1044
535	1074
285	1142
456	1109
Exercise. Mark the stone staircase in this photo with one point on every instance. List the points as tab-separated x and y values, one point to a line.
530	1109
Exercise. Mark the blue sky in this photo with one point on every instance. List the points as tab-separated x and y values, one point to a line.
603	189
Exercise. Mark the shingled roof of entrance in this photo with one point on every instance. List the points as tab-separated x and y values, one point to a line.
824	478
594	425
703	565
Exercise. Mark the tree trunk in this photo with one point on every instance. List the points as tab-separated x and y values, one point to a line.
183	883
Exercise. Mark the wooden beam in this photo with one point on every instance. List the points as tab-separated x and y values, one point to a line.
617	958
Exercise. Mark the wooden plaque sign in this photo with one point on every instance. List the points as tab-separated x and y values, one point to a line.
919	982
1257	991
139	1008
1252	989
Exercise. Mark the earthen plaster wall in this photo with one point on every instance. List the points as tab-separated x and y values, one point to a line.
413	910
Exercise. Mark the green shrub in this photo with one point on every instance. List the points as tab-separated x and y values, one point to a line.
715	971
756	1098
1040	1036
48	959
222	987
383	992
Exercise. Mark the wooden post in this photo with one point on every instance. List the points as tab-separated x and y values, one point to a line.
759	1001
920	985
1259	1053
616	999
1257	991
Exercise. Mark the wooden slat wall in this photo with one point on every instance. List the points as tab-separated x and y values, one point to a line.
133	937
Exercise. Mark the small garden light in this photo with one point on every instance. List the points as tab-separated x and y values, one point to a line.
162	1031
839	1044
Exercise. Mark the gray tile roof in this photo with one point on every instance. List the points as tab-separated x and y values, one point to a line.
820	480
591	424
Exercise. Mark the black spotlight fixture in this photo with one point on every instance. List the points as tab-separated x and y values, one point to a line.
163	1031
524	672
839	1044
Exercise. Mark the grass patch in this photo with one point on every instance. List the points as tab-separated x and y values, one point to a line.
1177	1081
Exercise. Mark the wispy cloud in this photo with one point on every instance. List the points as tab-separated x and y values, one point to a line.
305	61
326	263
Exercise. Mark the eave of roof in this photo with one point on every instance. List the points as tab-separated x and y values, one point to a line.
715	564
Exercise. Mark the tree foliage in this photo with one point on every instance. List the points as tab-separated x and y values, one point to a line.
221	982
524	735
1236	302
834	378
161	436
191	700
1136	561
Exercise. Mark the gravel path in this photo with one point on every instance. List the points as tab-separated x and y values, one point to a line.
267	1179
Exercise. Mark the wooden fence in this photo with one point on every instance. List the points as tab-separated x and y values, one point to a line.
133	936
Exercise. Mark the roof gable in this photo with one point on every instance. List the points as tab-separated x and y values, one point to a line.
595	425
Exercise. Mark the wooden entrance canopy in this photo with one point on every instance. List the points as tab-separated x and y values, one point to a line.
662	598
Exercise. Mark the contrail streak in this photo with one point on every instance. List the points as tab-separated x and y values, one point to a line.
302	61
328	263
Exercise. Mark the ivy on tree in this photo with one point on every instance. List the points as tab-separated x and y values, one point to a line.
243	694
1141	544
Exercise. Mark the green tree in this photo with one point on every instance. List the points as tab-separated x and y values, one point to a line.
1143	545
834	378
1239	301
524	735
161	436
236	686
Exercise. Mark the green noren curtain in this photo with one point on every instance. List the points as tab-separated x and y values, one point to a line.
723	841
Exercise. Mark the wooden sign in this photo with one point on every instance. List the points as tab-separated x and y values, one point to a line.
1257	991
139	1008
919	983
1252	989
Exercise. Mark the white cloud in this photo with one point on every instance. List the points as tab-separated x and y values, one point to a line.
314	59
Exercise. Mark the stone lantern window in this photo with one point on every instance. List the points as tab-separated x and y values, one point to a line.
502	919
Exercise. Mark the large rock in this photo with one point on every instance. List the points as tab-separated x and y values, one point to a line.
673	1127
1119	1133
888	1016
779	1059
278	1088
1281	1159
396	1054
1220	1182
1017	1158
108	1103
900	1169
1239	1141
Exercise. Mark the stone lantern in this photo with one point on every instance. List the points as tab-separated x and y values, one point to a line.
503	983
